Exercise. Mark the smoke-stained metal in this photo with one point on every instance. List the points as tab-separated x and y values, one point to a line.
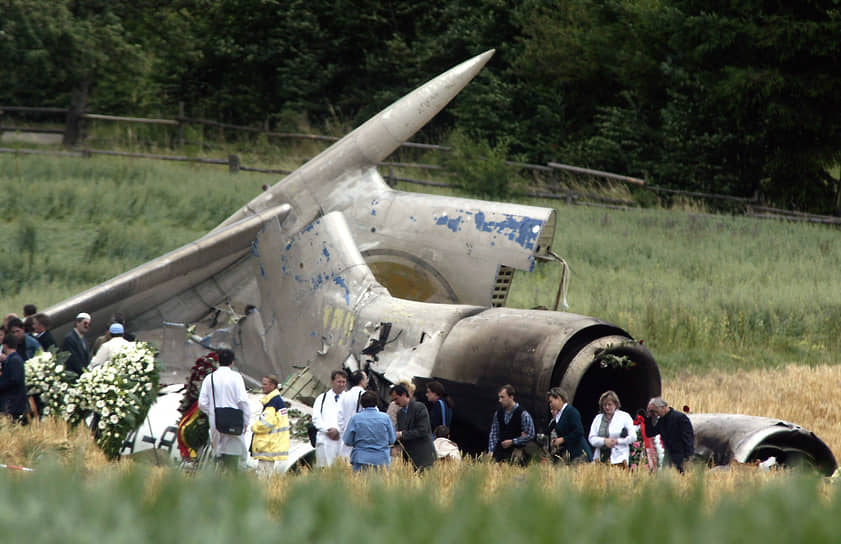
723	438
321	303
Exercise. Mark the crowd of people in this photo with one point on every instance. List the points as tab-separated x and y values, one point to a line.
609	440
349	425
25	337
347	419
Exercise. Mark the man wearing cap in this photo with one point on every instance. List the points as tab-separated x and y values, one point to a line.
77	346
110	348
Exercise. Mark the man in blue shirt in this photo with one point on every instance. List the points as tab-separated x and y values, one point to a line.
370	434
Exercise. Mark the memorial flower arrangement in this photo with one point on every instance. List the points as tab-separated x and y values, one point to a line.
118	393
639	454
48	379
194	425
201	368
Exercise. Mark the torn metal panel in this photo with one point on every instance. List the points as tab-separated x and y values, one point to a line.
320	303
157	283
723	438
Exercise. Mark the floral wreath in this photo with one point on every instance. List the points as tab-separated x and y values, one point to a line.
119	393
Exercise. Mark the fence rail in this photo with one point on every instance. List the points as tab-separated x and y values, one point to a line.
752	205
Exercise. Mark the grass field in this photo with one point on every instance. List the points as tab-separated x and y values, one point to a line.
74	495
743	316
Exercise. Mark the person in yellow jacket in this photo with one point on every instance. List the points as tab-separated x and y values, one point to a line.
270	442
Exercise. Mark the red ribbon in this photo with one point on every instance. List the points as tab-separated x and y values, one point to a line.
650	450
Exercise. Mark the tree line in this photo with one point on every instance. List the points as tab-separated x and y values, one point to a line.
738	97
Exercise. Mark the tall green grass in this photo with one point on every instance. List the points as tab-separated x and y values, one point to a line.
128	506
71	223
701	290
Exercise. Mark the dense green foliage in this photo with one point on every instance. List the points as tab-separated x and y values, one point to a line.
718	96
701	290
139	506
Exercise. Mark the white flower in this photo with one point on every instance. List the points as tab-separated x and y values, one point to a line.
114	419
59	369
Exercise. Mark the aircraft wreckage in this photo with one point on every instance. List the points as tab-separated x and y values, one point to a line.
337	269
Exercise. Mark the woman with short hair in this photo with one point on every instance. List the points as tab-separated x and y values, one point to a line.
612	431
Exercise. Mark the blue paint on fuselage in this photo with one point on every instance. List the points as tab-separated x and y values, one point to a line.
452	223
256	253
340	281
521	230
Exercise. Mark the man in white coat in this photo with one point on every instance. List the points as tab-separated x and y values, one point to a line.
325	414
350	404
110	348
225	388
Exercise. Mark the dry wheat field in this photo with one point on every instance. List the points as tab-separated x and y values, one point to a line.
800	394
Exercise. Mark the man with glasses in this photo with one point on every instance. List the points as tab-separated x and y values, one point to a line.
76	344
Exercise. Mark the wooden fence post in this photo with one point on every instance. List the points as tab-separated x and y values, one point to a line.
233	163
838	196
74	127
181	124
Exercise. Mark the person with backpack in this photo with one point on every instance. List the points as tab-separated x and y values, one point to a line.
223	392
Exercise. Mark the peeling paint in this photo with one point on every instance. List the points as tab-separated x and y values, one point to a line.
454	224
521	230
340	281
256	253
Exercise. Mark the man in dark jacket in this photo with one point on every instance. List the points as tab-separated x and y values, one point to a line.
413	430
12	382
569	442
76	344
41	328
674	428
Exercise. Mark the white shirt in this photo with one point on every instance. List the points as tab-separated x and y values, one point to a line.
325	413
444	447
621	452
561	411
326	449
348	405
229	389
107	350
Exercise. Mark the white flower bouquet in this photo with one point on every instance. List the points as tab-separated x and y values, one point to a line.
120	393
47	378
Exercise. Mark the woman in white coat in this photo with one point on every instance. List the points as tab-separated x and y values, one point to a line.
612	429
